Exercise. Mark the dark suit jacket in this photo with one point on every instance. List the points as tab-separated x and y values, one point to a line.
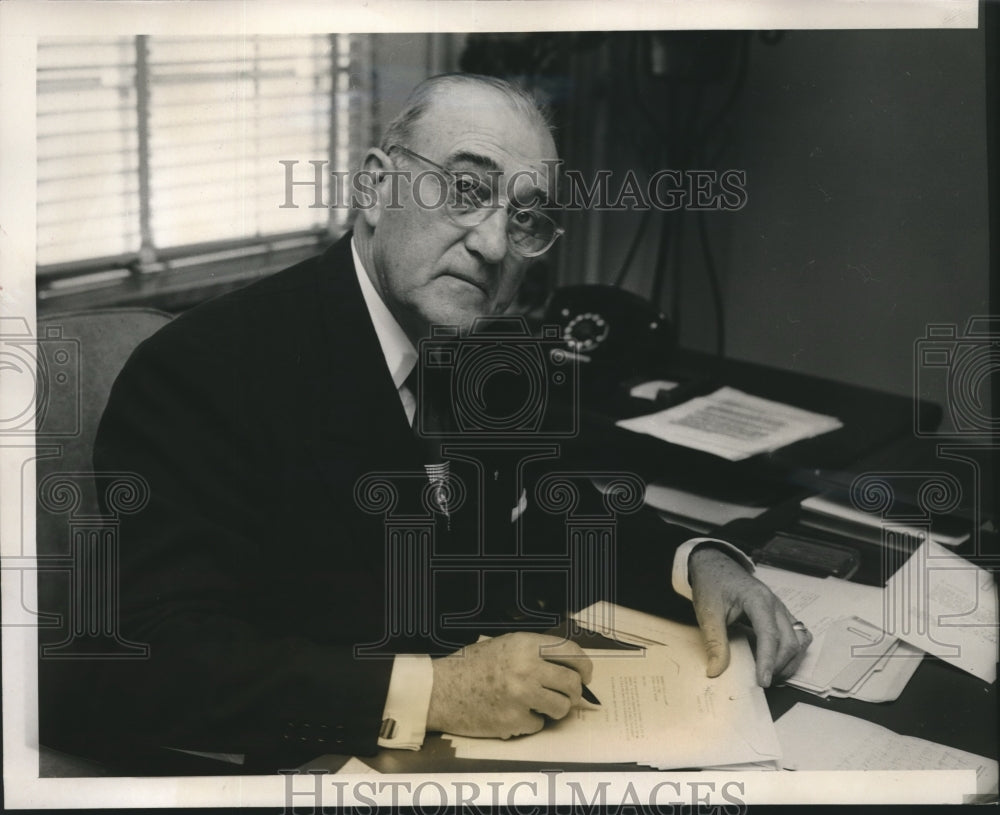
253	573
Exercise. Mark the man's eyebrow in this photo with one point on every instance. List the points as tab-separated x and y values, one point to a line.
478	159
535	196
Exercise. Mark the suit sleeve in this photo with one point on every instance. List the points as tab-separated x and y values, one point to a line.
646	549
637	567
220	675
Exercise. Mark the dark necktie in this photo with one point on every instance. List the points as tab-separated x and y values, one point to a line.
429	424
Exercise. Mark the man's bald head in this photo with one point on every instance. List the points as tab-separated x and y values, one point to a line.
429	266
436	89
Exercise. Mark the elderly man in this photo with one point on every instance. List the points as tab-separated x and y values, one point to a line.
253	574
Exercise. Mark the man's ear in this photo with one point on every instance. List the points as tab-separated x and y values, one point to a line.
372	185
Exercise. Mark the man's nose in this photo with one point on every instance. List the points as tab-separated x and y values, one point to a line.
489	239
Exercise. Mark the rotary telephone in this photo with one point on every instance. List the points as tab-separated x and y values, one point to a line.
617	337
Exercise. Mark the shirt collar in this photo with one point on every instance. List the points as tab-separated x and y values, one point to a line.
400	355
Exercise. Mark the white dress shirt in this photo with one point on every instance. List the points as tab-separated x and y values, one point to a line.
410	684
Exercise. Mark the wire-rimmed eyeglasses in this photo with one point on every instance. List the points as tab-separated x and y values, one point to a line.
470	201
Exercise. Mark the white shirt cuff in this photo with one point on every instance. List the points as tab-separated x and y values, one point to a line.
679	573
404	717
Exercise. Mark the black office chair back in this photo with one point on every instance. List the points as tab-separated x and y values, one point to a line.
79	355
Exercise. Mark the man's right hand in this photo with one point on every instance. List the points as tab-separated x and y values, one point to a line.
506	686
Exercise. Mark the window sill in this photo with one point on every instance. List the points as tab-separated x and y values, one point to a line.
177	289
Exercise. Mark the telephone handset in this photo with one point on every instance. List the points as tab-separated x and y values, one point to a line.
616	335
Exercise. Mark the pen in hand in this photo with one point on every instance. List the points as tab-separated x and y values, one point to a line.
589	696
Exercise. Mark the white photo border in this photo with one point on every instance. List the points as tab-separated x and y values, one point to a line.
23	22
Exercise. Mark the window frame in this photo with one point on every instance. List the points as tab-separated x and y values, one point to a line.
186	273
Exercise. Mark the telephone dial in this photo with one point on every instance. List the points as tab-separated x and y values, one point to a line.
616	335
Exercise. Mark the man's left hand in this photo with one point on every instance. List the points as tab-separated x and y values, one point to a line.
722	591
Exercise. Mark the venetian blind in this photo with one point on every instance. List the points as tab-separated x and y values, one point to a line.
148	144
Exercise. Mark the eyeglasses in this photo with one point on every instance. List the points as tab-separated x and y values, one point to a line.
470	201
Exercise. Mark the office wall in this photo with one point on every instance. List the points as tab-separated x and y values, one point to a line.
867	206
403	60
867	214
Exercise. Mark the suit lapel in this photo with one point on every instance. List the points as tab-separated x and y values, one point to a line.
364	409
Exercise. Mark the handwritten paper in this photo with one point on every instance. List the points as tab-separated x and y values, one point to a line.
947	606
813	738
846	652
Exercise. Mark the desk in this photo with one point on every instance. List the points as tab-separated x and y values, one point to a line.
940	703
872	419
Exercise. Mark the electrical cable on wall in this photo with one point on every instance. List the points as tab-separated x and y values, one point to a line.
660	115
634	126
713	284
716	123
662	258
681	130
633	247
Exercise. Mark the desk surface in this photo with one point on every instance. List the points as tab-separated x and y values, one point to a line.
871	421
940	704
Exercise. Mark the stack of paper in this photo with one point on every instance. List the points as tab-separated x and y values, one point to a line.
692	506
850	655
867	642
945	605
701	512
355	766
816	739
732	424
657	708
